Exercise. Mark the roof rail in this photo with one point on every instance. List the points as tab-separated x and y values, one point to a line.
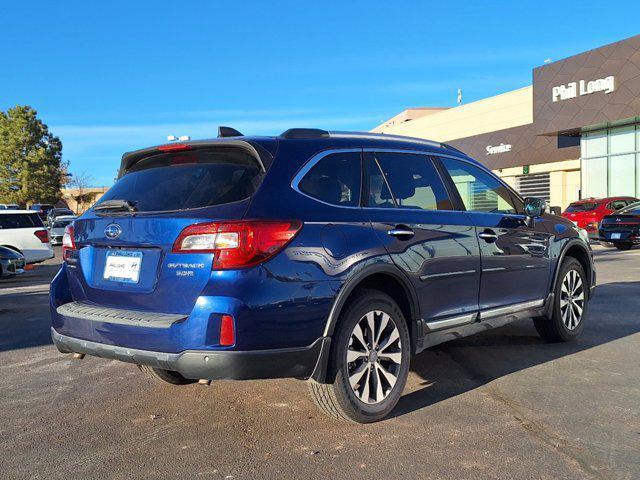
305	133
390	137
228	132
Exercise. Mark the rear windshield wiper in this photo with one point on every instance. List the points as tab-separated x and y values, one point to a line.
116	205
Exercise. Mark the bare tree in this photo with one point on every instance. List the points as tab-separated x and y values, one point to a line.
80	182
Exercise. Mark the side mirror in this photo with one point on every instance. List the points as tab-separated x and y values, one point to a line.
534	207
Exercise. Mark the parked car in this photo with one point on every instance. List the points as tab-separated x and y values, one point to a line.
588	213
24	232
42	209
622	228
332	257
9	206
57	226
58	212
11	263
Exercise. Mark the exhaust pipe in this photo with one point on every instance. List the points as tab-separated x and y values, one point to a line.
78	356
204	381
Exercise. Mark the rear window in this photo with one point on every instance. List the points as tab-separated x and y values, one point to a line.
186	180
581	207
20	220
61	223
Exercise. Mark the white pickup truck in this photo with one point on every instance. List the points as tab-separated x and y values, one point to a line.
23	230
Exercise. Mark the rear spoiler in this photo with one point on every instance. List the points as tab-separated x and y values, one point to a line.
263	157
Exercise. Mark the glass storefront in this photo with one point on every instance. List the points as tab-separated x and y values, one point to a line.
611	162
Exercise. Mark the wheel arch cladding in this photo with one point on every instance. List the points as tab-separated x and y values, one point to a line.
580	253
382	279
387	281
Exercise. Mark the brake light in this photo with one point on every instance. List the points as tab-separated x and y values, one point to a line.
227	331
237	244
174	147
42	235
68	242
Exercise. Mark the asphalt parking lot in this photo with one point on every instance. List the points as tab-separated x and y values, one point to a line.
499	405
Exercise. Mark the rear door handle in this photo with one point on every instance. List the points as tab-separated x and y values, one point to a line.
401	231
488	236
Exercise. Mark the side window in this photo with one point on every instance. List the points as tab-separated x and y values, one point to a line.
19	220
617	204
335	179
379	195
413	180
479	190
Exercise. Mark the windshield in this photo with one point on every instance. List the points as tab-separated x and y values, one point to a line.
581	207
185	180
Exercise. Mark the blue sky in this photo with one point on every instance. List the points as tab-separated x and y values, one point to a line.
108	77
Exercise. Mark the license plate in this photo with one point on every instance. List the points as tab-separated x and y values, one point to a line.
123	266
615	236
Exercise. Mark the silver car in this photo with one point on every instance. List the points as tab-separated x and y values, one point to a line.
56	229
11	262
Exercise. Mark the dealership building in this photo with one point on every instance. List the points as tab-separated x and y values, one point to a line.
574	133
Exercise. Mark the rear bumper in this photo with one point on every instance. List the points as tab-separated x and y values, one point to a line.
208	364
623	241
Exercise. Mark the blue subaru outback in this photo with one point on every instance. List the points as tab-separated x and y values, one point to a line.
331	257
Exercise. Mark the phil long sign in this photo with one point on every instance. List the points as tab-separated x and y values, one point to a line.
583	87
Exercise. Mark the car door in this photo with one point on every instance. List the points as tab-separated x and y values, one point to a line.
410	209
514	250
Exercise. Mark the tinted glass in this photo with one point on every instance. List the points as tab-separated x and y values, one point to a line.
192	179
479	190
633	209
413	180
20	220
61	223
378	193
581	207
335	179
617	204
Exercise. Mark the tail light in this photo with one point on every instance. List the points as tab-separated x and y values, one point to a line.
174	147
227	331
42	235
237	244
68	243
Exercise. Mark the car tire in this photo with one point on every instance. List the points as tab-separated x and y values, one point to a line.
165	376
570	301
368	367
624	246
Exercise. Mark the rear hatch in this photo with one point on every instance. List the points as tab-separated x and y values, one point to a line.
124	244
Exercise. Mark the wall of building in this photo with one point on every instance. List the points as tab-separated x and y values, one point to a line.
79	201
502	111
564	178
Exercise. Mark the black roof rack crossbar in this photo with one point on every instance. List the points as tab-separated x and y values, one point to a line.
305	133
228	132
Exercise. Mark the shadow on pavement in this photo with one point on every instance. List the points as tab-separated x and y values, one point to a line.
24	312
456	367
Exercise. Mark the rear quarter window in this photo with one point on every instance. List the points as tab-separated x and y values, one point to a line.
188	180
20	220
335	179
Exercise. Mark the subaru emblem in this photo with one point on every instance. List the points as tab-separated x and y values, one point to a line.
113	230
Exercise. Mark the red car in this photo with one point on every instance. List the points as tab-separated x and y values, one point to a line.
588	212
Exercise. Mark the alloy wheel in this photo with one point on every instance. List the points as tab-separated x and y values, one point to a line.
572	299
374	357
